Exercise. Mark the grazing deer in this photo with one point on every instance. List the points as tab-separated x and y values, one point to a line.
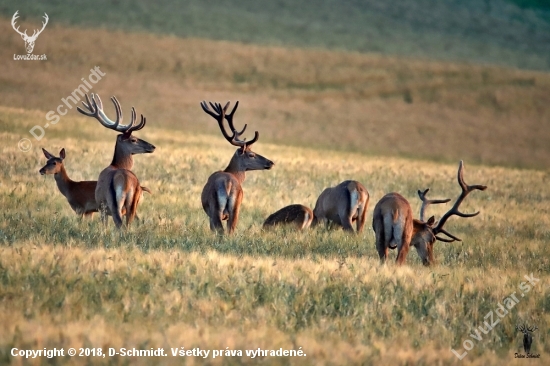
395	227
527	336
29	40
222	195
343	204
81	195
299	215
118	190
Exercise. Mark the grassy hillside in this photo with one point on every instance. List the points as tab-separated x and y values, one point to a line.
169	282
334	100
513	33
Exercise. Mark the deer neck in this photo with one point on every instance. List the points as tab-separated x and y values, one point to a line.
122	159
236	169
63	181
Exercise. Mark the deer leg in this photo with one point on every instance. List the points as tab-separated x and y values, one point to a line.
103	214
131	209
361	219
234	207
381	247
347	223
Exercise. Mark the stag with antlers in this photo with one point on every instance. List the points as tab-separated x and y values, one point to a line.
395	227
527	336
118	190
29	40
222	195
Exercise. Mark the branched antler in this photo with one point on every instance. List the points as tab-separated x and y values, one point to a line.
219	114
426	202
466	189
95	109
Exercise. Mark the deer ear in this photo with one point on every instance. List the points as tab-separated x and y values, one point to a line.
47	154
431	221
62	153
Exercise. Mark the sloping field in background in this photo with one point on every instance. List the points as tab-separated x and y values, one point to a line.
343	101
513	33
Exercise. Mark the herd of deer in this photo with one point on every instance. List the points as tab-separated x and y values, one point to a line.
117	191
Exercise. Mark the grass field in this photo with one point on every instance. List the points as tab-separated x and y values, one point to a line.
324	116
169	282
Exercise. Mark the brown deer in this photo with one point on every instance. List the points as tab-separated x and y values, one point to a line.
298	215
395	227
80	195
222	195
118	190
342	205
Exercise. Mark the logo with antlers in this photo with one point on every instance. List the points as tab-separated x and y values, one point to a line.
29	40
527	336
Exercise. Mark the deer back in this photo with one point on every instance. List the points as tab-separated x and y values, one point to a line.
296	214
332	202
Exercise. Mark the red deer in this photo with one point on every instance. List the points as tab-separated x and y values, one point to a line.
80	195
222	195
342	205
395	227
118	190
298	215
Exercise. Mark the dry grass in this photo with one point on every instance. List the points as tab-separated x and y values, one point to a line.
333	100
169	282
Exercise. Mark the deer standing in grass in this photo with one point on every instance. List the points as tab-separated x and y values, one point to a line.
344	204
395	227
118	190
299	215
80	195
222	195
527	336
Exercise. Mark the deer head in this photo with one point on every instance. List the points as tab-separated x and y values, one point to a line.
244	158
54	164
29	40
126	144
425	233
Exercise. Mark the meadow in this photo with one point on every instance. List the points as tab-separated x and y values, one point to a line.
394	124
169	282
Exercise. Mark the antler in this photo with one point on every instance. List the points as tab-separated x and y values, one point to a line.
532	329
35	34
13	19
219	114
521	328
426	202
466	189
95	109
